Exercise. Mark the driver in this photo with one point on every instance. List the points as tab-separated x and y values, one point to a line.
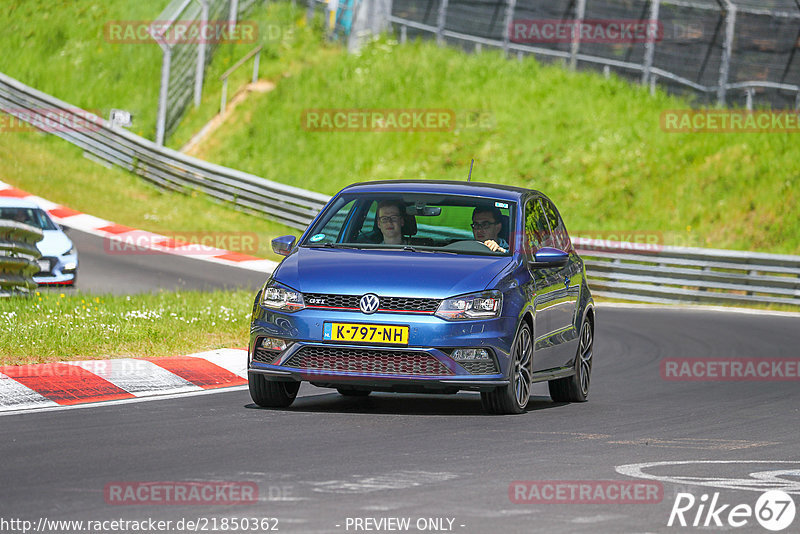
391	221
486	225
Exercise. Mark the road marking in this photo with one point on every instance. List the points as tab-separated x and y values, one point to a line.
758	480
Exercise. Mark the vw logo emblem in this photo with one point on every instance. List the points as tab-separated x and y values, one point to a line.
369	303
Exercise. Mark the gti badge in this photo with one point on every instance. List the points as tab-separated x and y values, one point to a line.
369	303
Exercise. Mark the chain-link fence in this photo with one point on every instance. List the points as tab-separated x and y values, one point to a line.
734	52
188	32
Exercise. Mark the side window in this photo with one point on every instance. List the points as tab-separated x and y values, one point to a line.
331	230
537	233
560	238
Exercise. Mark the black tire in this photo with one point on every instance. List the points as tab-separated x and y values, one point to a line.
353	392
513	398
268	394
575	388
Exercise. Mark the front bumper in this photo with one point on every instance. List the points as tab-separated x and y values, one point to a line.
62	270
424	364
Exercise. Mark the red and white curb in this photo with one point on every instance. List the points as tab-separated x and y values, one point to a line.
50	385
143	239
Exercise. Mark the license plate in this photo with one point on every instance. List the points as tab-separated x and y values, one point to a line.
365	333
44	266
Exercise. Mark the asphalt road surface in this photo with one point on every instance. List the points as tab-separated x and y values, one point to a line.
335	464
102	272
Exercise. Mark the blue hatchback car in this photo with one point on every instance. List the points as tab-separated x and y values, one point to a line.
426	287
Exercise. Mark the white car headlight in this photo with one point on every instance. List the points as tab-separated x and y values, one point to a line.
276	296
483	305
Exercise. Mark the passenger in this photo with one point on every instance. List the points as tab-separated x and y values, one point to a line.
486	226
392	221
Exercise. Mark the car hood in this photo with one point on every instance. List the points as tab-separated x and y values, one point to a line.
388	272
54	243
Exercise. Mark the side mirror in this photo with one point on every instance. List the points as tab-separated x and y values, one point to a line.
283	245
547	257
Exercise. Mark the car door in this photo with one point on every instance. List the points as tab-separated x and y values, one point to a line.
545	287
569	279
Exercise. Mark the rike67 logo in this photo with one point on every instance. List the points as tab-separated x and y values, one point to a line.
774	510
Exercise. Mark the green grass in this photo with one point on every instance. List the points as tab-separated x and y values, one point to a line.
53	169
59	47
105	326
592	144
289	45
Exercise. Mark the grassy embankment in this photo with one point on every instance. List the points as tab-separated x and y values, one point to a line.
66	326
592	144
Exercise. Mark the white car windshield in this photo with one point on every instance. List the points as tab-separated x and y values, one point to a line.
31	216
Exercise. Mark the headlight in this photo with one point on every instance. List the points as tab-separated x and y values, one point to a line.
70	252
279	297
483	305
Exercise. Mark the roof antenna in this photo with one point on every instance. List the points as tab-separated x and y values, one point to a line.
472	161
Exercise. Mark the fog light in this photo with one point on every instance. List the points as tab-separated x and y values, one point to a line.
461	355
70	266
273	343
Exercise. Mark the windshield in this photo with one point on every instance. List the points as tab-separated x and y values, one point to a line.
425	222
31	216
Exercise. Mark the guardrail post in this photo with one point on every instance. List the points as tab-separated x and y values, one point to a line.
797	100
224	99
233	14
440	20
749	98
256	65
509	20
650	45
403	33
310	12
727	48
201	57
161	119
580	11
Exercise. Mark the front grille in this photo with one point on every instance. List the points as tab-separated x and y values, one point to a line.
367	361
387	304
480	368
265	356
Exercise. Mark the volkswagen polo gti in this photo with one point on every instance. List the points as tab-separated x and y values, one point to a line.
426	287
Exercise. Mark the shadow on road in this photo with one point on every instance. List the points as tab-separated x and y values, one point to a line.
401	404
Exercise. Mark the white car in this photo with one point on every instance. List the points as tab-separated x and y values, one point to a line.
59	262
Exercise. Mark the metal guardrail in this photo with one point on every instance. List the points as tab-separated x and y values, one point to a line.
18	255
162	166
224	78
682	274
621	270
